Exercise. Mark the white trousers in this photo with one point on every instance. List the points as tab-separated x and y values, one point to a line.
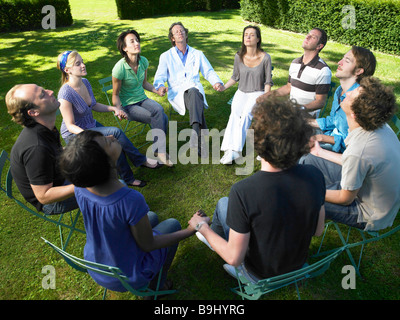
239	120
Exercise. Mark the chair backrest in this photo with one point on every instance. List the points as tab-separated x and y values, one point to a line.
396	125
3	160
328	98
114	272
264	286
106	86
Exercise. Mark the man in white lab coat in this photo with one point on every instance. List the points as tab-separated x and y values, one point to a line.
180	67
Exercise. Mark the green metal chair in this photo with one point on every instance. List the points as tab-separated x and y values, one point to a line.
131	128
114	272
328	98
396	125
73	216
366	237
253	291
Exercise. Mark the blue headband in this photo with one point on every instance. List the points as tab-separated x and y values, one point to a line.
64	58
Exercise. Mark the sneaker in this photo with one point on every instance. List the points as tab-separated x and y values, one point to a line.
231	270
204	240
229	157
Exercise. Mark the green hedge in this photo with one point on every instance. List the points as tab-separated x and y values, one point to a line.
267	12
377	22
19	15
136	9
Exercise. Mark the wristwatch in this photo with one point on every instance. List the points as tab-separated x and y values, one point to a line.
198	226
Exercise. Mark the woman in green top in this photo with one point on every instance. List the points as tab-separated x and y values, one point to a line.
129	78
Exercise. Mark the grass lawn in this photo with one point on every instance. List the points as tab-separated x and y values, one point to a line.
30	57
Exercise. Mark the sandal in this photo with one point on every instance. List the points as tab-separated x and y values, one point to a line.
140	185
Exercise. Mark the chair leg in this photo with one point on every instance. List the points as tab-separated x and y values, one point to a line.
323	237
105	293
347	249
298	291
71	229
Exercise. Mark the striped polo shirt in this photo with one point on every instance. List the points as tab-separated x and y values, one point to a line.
310	79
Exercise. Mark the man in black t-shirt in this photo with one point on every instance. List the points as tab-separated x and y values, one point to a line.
34	155
266	225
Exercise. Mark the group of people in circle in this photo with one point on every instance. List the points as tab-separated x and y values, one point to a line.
265	226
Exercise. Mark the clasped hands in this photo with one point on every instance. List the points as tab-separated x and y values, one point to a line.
198	217
121	114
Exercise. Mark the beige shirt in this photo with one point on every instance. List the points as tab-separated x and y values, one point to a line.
371	163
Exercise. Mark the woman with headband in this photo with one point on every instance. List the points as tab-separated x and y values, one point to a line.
76	104
252	68
129	78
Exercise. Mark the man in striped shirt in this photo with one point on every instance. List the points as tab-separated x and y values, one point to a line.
309	76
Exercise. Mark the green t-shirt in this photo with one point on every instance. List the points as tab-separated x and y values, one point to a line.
132	84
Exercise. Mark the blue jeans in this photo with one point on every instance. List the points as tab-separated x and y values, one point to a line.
151	112
164	227
128	150
220	227
218	224
333	174
60	207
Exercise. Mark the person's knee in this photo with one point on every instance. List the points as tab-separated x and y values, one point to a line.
194	93
222	207
116	132
223	201
173	224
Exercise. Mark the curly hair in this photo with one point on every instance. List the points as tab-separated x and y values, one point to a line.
281	132
375	105
18	108
84	162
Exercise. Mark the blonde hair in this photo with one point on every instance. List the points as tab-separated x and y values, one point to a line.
70	62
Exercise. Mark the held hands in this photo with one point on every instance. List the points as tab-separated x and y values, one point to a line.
198	217
120	114
314	146
219	87
162	91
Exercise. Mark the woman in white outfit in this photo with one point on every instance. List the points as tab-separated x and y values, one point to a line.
252	69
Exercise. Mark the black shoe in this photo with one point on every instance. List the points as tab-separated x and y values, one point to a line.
140	185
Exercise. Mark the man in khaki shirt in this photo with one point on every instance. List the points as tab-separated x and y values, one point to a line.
363	182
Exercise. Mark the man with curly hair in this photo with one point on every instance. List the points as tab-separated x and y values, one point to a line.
266	225
363	182
34	155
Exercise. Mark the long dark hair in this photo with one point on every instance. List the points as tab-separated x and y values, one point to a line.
121	44
243	50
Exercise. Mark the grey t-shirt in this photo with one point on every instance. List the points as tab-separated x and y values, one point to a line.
252	79
371	163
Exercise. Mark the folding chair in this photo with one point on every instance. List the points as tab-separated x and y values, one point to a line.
114	272
396	125
55	219
330	94
253	291
136	128
366	236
